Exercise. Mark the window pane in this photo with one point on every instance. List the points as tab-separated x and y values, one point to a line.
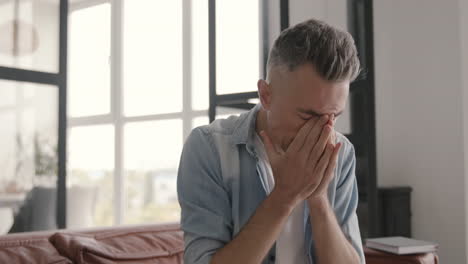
221	112
200	70
152	153
200	121
152	57
90	176
28	153
89	61
237	46
225	112
29	35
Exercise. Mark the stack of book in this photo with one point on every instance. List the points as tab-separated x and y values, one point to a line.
401	245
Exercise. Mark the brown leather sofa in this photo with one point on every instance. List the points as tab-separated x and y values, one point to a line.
162	244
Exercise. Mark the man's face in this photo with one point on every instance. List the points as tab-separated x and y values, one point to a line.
293	98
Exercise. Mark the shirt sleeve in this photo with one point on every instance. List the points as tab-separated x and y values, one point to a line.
346	200
204	201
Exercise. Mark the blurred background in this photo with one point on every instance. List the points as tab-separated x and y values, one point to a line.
98	96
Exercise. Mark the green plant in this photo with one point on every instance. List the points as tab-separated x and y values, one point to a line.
45	156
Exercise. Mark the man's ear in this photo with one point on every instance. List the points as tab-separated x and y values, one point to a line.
264	93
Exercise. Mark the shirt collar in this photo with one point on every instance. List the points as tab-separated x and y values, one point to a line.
244	131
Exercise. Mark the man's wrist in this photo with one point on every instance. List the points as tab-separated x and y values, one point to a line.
282	201
318	205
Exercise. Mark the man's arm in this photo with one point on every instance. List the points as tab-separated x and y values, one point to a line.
256	238
205	204
206	213
331	245
336	230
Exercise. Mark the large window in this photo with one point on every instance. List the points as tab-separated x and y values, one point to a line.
89	61
28	137
138	84
32	114
237	46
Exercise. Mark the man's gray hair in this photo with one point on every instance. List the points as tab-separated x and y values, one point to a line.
330	50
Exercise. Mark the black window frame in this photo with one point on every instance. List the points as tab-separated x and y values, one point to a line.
58	80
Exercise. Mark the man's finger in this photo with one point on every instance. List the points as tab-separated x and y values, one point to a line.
332	123
319	147
329	172
300	137
322	164
332	120
333	138
314	135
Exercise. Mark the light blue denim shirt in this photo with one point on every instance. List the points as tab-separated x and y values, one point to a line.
217	200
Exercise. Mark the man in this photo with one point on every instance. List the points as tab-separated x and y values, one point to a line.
277	184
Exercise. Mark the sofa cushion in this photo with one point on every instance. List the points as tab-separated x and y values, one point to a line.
153	244
31	251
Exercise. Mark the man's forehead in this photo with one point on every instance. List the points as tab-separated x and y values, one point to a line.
323	99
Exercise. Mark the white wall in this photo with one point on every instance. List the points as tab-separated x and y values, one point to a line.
419	115
420	106
463	20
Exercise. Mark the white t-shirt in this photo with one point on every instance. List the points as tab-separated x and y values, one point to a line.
290	245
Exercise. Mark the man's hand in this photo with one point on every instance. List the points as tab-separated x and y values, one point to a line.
305	169
320	196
